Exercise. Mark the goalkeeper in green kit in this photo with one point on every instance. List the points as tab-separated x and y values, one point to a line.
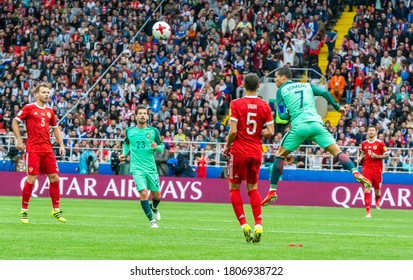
295	102
142	141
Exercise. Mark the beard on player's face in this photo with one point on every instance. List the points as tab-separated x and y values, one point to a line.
42	98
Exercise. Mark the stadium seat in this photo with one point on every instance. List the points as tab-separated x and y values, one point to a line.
16	50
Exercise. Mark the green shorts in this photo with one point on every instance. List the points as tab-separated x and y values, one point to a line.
313	131
146	181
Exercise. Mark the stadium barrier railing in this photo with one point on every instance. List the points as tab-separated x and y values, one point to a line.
306	157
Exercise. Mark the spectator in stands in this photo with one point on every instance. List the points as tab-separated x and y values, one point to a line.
289	52
124	167
337	85
183	168
228	24
115	162
201	163
88	163
301	159
289	162
314	48
73	57
315	160
179	136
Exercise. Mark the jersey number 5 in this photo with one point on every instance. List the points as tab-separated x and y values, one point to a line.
253	122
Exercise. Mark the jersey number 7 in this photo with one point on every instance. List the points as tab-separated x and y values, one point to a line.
301	92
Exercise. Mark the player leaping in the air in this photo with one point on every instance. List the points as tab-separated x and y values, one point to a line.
295	102
373	153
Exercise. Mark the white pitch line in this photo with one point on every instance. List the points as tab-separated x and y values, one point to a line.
266	231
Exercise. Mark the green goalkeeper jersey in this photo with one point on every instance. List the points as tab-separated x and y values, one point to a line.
138	143
296	102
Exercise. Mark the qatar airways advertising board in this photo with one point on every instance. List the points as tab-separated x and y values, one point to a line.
209	190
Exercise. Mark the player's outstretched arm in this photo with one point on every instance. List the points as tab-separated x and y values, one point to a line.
327	96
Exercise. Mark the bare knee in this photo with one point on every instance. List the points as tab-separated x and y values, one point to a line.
143	194
156	195
53	177
31	179
251	187
333	149
233	186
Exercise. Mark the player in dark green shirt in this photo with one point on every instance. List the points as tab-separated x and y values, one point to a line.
141	142
295	102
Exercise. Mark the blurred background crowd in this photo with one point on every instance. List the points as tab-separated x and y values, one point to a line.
188	80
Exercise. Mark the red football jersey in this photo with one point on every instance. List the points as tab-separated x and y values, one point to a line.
202	169
251	114
377	147
38	123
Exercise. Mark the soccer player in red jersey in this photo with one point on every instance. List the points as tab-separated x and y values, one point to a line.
40	158
250	120
373	153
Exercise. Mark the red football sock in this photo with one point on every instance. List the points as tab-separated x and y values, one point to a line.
255	201
237	205
26	194
55	194
367	201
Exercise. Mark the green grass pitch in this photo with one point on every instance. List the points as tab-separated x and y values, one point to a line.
118	230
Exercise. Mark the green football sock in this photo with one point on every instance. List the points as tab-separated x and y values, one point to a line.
276	172
147	209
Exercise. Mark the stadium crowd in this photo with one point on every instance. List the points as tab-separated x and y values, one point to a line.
188	81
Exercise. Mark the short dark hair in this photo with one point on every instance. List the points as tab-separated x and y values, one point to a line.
141	107
372	126
284	71
251	82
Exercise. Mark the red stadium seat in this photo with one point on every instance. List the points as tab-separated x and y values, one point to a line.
16	50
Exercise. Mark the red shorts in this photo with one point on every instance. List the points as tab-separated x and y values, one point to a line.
243	168
375	178
39	163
